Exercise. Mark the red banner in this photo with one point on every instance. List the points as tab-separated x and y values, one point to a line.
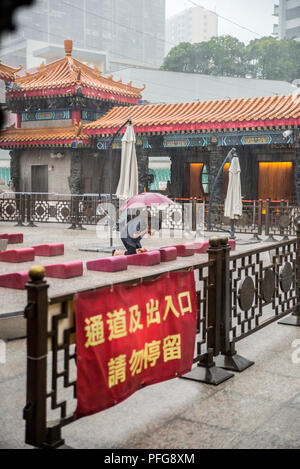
129	337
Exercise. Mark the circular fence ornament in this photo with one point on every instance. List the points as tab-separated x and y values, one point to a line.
284	221
286	277
268	285
246	294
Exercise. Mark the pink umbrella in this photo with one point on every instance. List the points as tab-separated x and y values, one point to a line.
146	199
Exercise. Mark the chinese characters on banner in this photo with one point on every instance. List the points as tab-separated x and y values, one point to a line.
129	337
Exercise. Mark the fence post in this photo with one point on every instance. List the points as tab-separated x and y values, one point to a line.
36	317
206	370
74	213
35	410
30	210
20	202
229	359
194	209
284	220
267	223
294	319
80	213
257	211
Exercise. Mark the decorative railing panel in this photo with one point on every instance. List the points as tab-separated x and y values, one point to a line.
263	288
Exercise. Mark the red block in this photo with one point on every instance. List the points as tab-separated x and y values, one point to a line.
108	264
145	259
184	250
168	254
49	250
65	270
16	280
232	244
12	238
201	247
17	255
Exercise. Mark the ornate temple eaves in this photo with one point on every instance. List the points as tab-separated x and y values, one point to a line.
7	73
207	116
68	76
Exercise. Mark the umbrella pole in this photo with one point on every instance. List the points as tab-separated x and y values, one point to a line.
229	157
232	229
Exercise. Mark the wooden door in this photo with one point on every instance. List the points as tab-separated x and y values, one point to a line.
39	178
276	181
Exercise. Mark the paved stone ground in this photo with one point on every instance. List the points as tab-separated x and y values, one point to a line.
14	300
259	408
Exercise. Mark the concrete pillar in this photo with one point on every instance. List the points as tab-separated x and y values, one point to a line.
216	158
75	179
297	174
15	169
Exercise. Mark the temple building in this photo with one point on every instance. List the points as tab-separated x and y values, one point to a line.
68	112
49	149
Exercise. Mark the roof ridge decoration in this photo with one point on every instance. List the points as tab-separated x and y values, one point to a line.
7	73
12	137
58	77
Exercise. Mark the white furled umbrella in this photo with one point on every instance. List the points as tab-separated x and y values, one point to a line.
233	203
128	182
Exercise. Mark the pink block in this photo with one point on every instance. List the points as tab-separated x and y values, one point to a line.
17	255
16	280
232	244
65	270
12	238
15	238
49	250
108	264
145	258
184	250
168	254
201	247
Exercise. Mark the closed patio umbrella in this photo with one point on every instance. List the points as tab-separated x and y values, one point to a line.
233	203
128	182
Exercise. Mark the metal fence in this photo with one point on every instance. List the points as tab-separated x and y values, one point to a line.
260	217
51	355
236	296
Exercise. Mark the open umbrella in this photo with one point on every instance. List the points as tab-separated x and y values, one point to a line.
128	182
146	199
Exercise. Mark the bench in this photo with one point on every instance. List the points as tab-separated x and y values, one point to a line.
15	280
49	250
64	270
168	254
108	264
184	250
145	259
17	255
13	238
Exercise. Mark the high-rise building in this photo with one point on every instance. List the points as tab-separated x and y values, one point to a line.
109	33
288	12
195	24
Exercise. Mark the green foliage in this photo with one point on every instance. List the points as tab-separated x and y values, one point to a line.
266	58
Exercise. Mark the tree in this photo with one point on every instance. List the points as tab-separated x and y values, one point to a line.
225	56
180	59
266	58
271	59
